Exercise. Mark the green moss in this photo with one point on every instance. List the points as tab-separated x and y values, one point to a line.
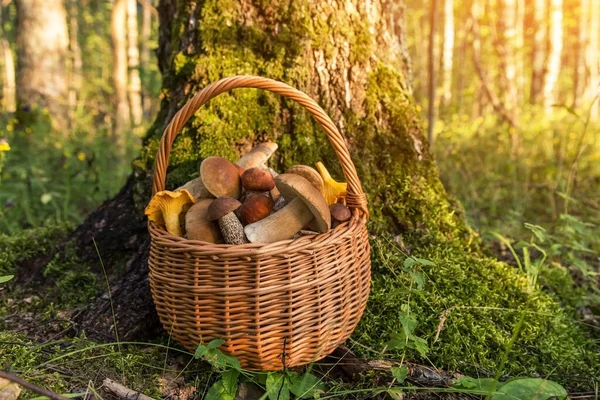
71	281
476	302
29	243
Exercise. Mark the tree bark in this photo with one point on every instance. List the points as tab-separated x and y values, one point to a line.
42	51
122	110
554	56
448	51
134	87
431	95
539	51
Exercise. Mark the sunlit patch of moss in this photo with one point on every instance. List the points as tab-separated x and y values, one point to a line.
477	303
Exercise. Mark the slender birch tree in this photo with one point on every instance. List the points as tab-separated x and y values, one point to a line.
539	51
134	87
554	56
448	51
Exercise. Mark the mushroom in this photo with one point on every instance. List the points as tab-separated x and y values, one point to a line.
256	208
222	209
197	225
332	190
197	189
256	181
306	204
258	156
339	214
220	177
310	174
166	208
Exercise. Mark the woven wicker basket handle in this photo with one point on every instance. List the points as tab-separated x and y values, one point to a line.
355	197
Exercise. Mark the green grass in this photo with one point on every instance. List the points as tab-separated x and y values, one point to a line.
53	177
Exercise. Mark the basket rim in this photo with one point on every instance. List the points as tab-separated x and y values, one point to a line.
306	243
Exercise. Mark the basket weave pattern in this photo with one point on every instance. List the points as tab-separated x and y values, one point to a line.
302	297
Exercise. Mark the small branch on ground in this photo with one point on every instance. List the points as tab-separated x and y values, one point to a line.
30	386
122	392
354	366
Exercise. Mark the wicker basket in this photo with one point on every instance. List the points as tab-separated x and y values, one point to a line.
301	297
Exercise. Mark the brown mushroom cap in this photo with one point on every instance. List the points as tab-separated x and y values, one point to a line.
256	208
240	169
197	225
221	207
309	173
220	177
340	212
257	179
292	186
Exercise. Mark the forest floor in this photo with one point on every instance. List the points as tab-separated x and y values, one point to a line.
537	209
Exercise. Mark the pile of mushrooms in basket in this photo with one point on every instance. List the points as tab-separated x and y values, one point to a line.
248	202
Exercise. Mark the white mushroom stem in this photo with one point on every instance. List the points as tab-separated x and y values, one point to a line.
232	229
197	189
283	224
258	156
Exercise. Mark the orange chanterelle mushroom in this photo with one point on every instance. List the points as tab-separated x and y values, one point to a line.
167	208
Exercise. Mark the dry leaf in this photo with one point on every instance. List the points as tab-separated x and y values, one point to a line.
9	390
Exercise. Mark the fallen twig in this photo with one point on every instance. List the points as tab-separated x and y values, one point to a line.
31	386
353	366
123	392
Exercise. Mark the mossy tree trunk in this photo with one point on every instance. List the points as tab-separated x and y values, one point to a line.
350	56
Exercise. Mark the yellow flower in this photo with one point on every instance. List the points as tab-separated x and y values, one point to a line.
4	146
81	156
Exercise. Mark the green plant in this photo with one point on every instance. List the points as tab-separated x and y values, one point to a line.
517	388
277	385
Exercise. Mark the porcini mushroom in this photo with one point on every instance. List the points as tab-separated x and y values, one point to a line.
258	156
258	180
256	208
332	189
306	204
197	225
166	208
222	210
339	214
197	189
220	177
309	173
